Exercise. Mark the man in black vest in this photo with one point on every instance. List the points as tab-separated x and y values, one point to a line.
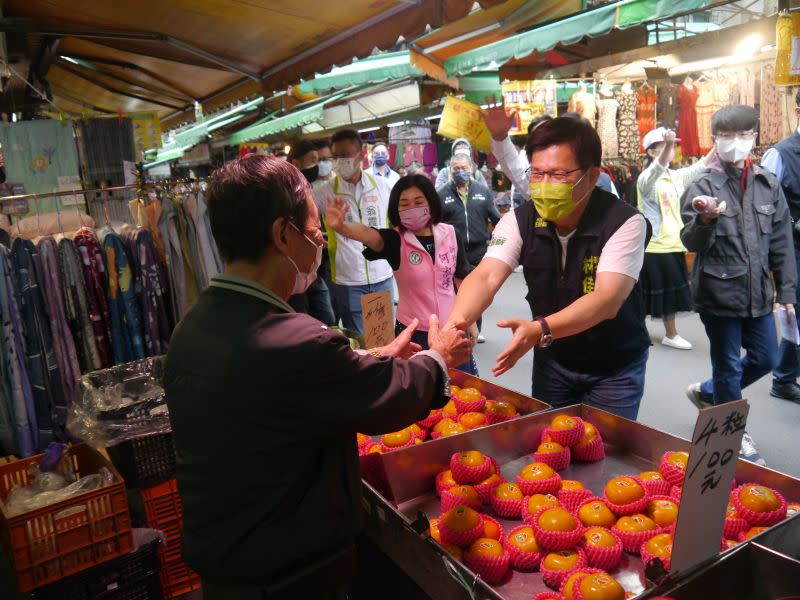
581	250
784	162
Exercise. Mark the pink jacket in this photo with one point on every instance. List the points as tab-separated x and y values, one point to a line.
426	287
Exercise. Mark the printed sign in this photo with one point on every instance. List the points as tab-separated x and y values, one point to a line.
531	99
465	119
715	449
376	310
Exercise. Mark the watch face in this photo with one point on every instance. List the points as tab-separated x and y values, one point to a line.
546	340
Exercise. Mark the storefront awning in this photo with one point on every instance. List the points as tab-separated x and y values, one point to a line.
295	119
374	69
592	23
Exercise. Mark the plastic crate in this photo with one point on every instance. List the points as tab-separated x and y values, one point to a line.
162	505
134	576
53	542
145	461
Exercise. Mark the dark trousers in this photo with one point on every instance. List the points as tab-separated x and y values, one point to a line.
788	369
730	373
619	392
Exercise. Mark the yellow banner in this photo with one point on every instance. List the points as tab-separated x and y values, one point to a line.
146	130
462	119
787	62
531	99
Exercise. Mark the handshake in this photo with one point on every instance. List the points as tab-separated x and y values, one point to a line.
707	206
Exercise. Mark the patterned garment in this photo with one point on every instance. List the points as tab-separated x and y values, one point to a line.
687	121
76	306
705	110
23	437
626	125
63	343
646	113
771	115
607	126
94	272
126	320
667	104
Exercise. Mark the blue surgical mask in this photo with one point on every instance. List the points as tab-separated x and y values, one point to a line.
460	177
325	167
381	160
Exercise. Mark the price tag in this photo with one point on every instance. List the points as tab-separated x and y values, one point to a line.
376	311
715	449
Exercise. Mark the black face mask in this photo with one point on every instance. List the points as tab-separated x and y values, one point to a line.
311	173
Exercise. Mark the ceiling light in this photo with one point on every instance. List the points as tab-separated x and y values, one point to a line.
749	45
368	129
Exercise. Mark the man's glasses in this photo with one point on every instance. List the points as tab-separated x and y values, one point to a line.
558	176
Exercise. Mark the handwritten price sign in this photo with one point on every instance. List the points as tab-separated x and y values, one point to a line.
376	310
464	119
709	475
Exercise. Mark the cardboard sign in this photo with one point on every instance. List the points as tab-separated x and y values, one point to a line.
715	449
531	99
465	119
376	311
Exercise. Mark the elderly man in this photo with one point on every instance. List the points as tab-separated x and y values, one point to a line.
581	249
380	164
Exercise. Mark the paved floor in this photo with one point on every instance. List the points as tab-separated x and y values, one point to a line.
774	424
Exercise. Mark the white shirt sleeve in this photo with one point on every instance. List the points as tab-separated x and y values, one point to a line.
773	163
624	251
506	242
513	166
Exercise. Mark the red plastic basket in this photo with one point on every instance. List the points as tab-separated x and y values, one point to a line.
162	505
49	543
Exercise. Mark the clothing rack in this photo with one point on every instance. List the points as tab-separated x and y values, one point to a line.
116	188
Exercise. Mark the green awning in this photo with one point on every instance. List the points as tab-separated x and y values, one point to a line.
479	86
593	23
374	69
294	119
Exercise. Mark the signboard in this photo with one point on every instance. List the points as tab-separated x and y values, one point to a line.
530	99
146	131
376	311
68	183
787	58
465	119
712	461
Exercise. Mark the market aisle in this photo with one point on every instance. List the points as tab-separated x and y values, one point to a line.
774	424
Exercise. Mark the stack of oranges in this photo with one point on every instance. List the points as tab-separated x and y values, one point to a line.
573	537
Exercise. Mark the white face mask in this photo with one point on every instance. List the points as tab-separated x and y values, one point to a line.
345	167
325	167
734	150
303	280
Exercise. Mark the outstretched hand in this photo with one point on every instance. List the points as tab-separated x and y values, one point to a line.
526	335
451	342
335	212
402	346
499	120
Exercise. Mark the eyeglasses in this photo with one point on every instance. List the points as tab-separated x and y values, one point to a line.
745	135
557	176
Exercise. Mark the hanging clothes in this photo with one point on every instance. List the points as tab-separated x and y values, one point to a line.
94	269
17	391
430	157
721	90
646	113
63	342
626	124
705	110
687	119
126	321
209	253
771	115
607	126
188	203
583	103
76	306
181	273
667	105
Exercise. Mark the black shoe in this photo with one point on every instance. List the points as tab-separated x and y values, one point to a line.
785	391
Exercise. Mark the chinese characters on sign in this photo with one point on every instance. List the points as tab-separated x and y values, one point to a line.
376	310
709	476
464	119
531	99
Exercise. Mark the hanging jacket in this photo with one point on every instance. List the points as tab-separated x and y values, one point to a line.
151	292
208	247
94	269
126	321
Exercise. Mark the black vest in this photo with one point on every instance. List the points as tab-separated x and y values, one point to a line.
608	346
789	149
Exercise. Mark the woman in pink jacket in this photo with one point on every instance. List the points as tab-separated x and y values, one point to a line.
427	256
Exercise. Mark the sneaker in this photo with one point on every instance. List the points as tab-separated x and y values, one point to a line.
749	452
676	342
697	397
785	391
481	339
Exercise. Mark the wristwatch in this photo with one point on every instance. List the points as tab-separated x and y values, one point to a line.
547	336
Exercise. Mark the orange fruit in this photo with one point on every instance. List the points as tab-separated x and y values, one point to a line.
415	429
536	472
460	519
730	544
454	390
469	395
651	476
754	531
449	409
491	529
557	519
550	447
492	479
453	551
624	490
486	547
589	435
660	545
444	425
466	493
679	459
501	408
731	512
375	449
433	528
564	560
600	537
759	498
568	590
508	491
417	441
792	509
596	514
472	420
562	422
447	479
454	430
663	512
571	484
539	501
397	438
601	586
471	458
636	523
362	438
524	539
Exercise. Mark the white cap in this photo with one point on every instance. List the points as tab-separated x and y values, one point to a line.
655	136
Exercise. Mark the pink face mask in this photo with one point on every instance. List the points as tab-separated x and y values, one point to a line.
416	218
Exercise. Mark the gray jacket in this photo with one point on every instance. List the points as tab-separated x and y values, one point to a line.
745	249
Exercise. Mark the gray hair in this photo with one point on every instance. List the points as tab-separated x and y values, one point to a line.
459	156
